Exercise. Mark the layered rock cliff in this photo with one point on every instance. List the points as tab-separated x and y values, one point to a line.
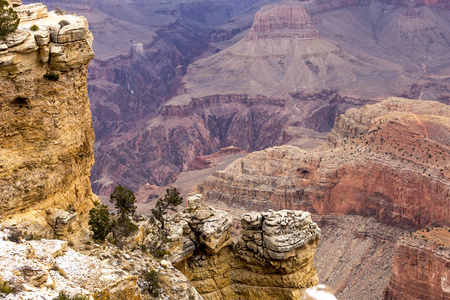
272	259
293	51
389	162
46	148
421	267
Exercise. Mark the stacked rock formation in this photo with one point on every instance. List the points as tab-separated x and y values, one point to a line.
46	139
272	259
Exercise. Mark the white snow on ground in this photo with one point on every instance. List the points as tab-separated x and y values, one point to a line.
66	269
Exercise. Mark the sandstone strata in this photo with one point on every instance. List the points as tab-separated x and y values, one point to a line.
272	259
389	161
421	271
46	148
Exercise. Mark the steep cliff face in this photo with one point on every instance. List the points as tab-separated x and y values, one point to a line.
421	268
46	148
272	258
355	255
389	162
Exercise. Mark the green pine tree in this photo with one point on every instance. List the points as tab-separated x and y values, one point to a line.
170	201
9	20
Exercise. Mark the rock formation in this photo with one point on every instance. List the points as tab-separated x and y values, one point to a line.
386	161
293	51
272	258
41	269
421	268
46	148
389	162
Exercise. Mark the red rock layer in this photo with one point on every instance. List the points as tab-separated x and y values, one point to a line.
421	271
390	162
282	21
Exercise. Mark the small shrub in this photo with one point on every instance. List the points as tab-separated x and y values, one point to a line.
124	228
123	200
99	222
170	201
63	23
152	282
59	11
64	296
5	288
9	20
34	28
15	236
51	76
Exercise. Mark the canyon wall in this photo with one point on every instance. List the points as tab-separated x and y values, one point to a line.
421	269
384	170
47	140
393	169
158	107
272	258
170	142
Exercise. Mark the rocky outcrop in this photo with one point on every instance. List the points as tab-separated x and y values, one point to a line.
41	269
272	258
393	169
421	269
282	21
46	148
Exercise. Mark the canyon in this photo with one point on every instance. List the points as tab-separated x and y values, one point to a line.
47	139
385	165
382	171
191	77
283	72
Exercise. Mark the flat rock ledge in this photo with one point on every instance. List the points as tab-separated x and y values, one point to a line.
60	42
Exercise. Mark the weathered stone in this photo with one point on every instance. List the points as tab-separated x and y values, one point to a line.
17	37
44	53
42	36
33	276
31	11
194	202
46	148
219	269
421	268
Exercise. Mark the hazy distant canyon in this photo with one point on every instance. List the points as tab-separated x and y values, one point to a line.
171	82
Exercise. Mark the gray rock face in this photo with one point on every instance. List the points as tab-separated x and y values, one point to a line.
275	235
